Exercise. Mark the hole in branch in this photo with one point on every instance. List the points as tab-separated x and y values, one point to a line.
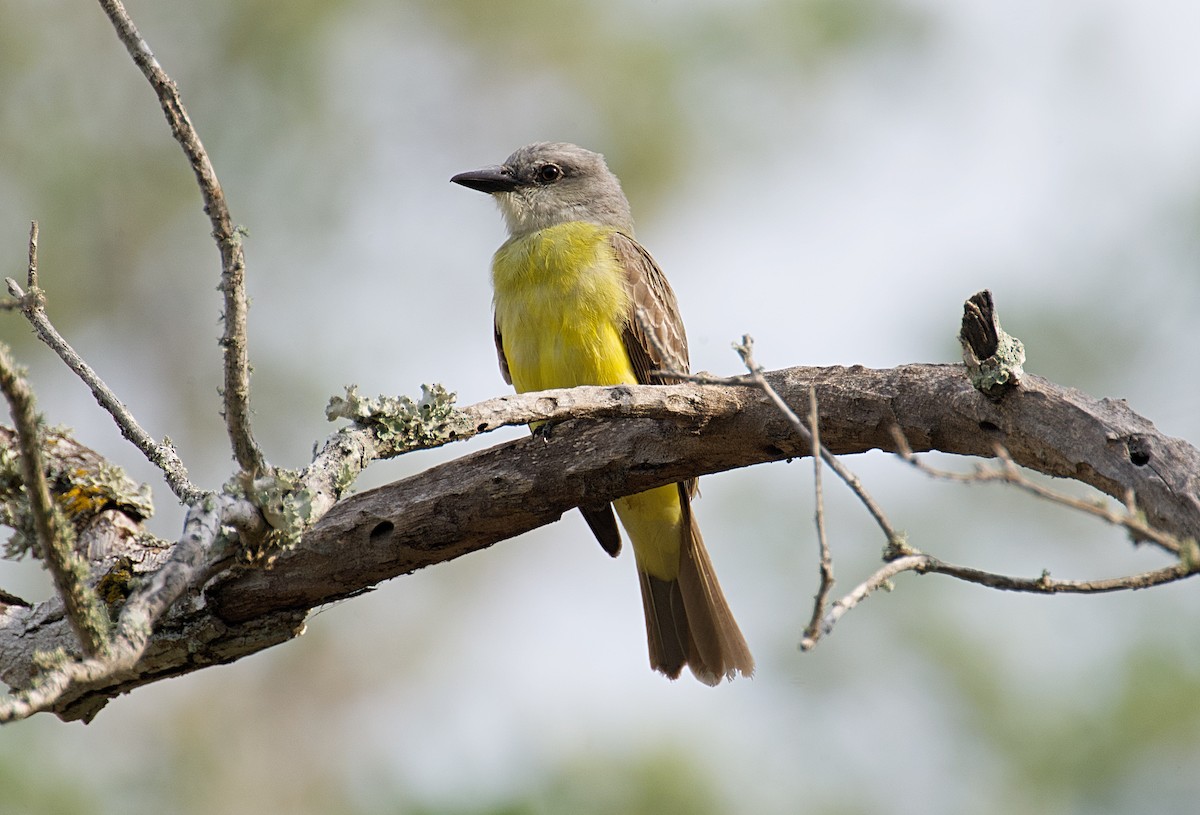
988	427
382	529
1139	450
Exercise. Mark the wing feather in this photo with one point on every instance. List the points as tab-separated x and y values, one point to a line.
504	372
654	334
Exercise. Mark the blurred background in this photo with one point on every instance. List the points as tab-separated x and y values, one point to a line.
834	177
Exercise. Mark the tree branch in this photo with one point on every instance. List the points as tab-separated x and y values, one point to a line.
228	237
650	435
55	539
813	631
161	455
76	689
755	378
1008	473
927	564
670	433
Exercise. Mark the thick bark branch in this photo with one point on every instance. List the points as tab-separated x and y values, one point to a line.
475	501
651	435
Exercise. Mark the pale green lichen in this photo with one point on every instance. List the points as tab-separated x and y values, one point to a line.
401	423
898	547
286	504
999	372
345	477
47	661
14	509
89	491
1003	368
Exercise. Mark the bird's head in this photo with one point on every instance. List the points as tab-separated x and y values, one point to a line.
551	183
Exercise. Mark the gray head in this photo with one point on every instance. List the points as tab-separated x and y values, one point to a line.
550	183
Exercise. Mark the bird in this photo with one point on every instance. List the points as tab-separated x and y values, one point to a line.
578	301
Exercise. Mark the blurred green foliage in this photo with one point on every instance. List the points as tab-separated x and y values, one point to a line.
650	783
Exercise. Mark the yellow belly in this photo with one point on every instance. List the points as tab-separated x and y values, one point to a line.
561	307
653	520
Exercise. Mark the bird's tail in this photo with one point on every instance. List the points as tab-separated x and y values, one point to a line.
688	621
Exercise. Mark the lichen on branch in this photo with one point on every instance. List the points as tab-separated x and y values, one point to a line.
401	423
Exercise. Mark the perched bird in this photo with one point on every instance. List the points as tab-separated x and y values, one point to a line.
579	302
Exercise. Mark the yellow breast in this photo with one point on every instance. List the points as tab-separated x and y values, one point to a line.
561	307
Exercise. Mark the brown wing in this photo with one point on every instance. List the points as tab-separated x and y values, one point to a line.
654	336
504	372
654	340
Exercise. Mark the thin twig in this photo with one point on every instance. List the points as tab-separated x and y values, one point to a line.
755	379
1008	472
32	268
745	350
813	632
14	303
228	237
880	580
1045	584
927	564
1188	565
160	454
55	540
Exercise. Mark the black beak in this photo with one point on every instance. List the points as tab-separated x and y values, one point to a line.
489	179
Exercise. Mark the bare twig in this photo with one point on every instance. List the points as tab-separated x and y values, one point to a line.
756	379
55	540
745	350
880	580
160	454
1007	472
13	303
813	632
228	237
1045	584
32	268
927	564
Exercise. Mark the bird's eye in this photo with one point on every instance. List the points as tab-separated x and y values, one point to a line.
549	173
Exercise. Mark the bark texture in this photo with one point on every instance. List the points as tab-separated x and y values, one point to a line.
608	442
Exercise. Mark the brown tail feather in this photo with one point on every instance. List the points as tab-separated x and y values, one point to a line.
688	620
666	625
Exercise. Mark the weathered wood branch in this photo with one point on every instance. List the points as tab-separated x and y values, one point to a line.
687	430
649	435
